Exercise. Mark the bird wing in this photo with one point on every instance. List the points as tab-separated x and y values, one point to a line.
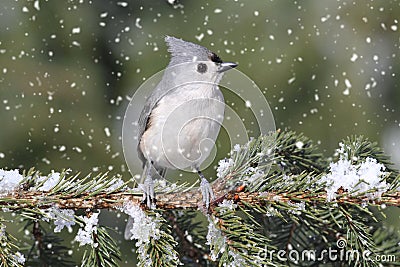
145	121
143	125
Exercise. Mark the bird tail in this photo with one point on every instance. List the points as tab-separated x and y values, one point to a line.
129	226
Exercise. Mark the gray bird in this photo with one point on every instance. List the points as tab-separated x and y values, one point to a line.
181	119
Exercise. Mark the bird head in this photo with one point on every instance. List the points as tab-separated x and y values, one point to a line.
198	62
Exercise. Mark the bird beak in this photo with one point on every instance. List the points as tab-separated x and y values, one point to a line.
224	66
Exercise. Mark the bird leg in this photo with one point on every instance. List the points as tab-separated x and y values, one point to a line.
206	190
148	186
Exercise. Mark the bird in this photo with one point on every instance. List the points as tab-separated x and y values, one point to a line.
181	118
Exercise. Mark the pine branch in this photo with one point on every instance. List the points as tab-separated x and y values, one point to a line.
236	242
249	167
190	235
391	199
296	153
358	148
280	192
9	255
157	246
186	200
104	252
46	250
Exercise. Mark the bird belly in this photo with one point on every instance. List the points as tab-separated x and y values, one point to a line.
182	134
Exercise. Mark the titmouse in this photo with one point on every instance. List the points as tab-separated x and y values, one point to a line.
181	119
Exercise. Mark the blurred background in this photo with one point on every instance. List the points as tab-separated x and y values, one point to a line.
68	69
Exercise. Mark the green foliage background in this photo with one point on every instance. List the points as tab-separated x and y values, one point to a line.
62	89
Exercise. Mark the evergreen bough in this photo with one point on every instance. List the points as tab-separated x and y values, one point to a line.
272	209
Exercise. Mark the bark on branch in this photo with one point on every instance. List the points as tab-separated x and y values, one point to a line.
191	199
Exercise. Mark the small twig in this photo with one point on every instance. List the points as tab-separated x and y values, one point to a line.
38	235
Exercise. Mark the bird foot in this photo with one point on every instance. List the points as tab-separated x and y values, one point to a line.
148	193
206	192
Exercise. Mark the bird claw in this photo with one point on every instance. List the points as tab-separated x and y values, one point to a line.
148	192
206	192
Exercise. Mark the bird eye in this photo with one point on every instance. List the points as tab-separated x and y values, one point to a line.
201	67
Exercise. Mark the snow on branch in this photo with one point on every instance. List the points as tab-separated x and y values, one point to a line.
191	199
290	185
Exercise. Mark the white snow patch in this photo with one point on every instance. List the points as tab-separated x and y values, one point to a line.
50	181
356	178
19	257
9	180
254	175
237	260
223	167
61	217
84	236
298	207
236	148
228	204
215	239
143	227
